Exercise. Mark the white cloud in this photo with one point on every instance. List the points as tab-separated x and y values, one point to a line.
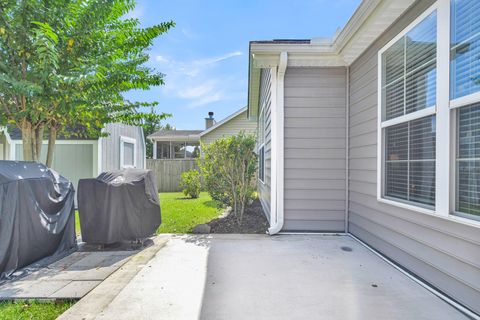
161	59
195	80
136	13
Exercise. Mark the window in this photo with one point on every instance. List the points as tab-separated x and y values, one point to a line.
127	153
408	123
163	150
177	150
429	139
465	99
261	143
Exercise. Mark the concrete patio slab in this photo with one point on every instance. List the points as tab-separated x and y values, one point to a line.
261	277
71	277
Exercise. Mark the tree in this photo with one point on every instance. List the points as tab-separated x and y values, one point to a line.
151	125
66	64
229	166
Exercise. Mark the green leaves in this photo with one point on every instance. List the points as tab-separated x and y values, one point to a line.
67	64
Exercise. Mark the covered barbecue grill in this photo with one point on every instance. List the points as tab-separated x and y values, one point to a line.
118	206
36	215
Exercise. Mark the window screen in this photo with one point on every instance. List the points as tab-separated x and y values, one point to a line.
409	71
465	48
468	160
128	154
410	161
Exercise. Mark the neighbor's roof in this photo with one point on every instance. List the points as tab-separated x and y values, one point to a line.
221	123
166	135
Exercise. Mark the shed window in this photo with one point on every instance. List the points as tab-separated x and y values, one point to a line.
408	96
127	152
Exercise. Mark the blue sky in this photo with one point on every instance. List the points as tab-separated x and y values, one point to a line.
205	57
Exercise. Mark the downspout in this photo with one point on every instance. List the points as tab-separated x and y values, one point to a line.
278	140
347	146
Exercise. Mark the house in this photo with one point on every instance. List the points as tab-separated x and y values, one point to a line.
185	144
77	158
375	133
231	125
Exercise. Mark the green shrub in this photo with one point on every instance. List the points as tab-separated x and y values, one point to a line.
191	183
229	166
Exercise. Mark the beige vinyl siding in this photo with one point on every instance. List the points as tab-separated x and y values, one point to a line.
315	100
444	253
231	127
110	145
266	101
71	160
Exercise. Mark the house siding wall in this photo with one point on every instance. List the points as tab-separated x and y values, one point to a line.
111	145
315	102
266	101
230	128
442	252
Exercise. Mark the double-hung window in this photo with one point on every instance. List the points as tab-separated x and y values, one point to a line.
407	113
429	113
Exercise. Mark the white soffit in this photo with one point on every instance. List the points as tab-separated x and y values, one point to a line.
362	36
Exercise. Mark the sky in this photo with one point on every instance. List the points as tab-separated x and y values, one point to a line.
205	57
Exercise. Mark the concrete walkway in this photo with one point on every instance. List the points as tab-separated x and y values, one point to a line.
260	277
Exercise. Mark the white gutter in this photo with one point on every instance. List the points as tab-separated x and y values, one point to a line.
347	151
278	150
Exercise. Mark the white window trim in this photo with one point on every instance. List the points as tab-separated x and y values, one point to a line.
123	140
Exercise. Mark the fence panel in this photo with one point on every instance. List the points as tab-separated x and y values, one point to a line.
169	172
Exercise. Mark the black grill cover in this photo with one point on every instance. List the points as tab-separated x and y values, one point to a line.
118	205
36	214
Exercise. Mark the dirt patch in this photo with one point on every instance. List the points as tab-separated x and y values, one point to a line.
254	221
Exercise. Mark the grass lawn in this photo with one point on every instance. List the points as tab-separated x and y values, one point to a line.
32	310
77	223
181	214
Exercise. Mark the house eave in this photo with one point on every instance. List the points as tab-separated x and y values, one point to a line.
367	23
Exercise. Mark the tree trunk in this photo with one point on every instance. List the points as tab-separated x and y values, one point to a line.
27	141
38	141
52	138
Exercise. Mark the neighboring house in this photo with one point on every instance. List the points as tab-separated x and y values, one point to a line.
185	144
375	133
77	158
231	125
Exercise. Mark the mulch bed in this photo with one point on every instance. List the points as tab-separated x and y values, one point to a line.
254	221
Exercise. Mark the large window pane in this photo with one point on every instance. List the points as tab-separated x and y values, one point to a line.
468	159
178	150
409	71
410	161
465	48
192	150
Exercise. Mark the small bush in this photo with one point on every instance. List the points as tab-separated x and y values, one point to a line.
229	167
191	183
